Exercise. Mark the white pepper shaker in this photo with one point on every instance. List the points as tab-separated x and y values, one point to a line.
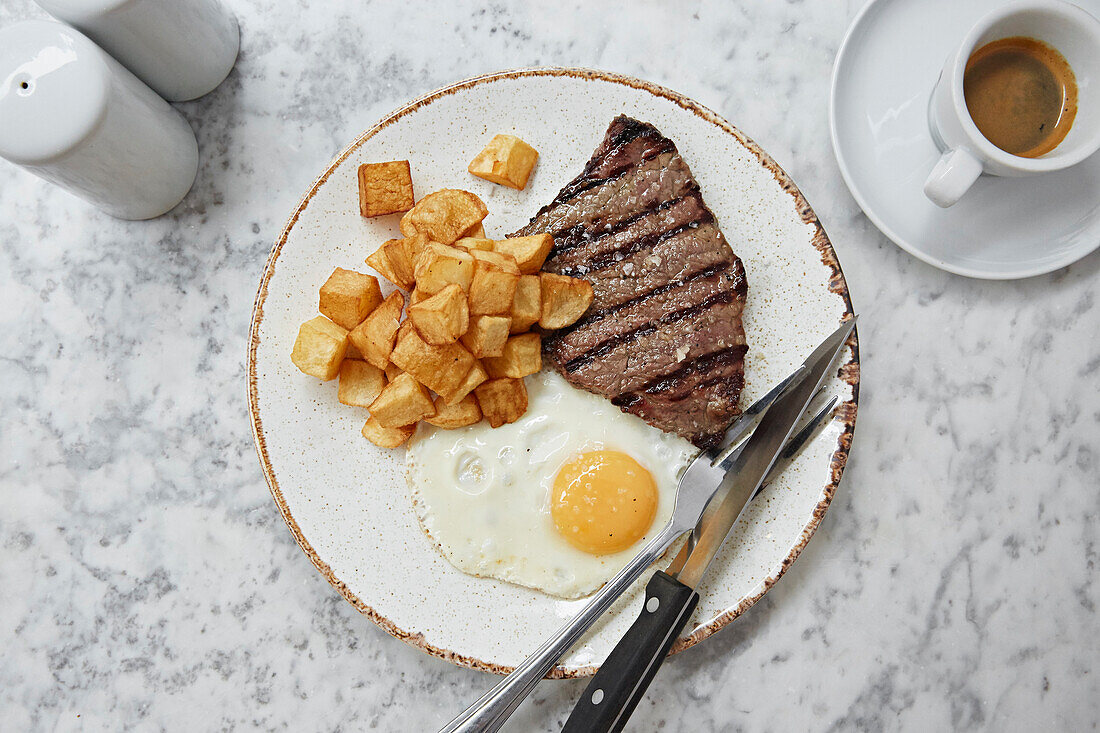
74	116
180	48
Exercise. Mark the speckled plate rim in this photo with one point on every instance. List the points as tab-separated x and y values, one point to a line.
849	372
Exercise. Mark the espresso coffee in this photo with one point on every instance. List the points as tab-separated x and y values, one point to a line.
1021	94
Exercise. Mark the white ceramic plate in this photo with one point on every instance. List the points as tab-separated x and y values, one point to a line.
1003	228
346	501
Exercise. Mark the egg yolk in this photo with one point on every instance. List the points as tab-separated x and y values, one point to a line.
603	501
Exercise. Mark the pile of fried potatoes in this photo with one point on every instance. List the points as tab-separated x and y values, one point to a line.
465	344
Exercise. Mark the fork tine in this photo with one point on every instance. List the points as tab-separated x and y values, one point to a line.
725	458
795	444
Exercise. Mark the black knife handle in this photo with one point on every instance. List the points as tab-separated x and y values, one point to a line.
615	691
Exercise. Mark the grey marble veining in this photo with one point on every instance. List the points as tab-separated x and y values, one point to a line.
148	582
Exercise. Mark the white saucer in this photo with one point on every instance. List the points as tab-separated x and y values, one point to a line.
1003	228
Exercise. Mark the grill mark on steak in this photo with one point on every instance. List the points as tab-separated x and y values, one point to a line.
634	362
585	252
641	148
663	338
593	316
676	258
616	341
646	185
706	403
697	373
609	258
639	224
626	143
619	321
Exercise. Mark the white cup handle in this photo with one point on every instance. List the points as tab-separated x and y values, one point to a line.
954	174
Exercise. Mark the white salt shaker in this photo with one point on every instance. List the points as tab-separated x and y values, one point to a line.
181	48
73	115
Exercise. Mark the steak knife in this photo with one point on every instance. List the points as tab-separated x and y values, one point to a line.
671	595
697	485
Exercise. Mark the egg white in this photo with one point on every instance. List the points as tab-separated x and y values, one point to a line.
483	495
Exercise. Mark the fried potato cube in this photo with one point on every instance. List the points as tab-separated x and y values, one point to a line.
528	252
444	215
489	258
442	369
360	383
374	337
320	348
404	401
414	245
564	299
475	243
386	437
493	286
502	400
381	264
506	160
352	354
459	415
406	325
440	265
392	371
385	188
401	260
347	297
522	355
477	231
443	317
492	292
392	261
417	296
474	377
527	304
486	335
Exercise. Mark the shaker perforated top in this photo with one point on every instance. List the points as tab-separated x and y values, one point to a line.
54	88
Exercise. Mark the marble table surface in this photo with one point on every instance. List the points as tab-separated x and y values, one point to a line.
148	582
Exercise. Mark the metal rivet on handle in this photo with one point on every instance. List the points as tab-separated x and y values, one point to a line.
597	697
653	604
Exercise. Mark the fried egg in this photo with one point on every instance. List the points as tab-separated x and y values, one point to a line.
559	500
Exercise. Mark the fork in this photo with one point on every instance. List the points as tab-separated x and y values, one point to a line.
695	488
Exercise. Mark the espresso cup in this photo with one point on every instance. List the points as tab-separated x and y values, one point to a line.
966	152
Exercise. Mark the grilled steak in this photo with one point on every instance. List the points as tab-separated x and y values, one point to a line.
663	339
